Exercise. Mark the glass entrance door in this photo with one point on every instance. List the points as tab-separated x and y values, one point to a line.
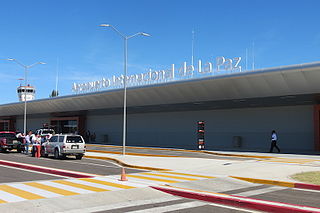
65	126
4	125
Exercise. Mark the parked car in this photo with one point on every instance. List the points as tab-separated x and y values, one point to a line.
63	145
9	141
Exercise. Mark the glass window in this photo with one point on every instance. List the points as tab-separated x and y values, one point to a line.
8	135
60	138
54	139
74	139
45	132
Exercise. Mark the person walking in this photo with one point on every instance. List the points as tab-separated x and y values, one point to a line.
27	142
274	139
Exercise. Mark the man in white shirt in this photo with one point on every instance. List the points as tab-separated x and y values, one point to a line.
28	141
274	139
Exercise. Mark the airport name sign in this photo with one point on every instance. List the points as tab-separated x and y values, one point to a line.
221	66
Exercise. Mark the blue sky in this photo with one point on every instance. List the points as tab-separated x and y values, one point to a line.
284	33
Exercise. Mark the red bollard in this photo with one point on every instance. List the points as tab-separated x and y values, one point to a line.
38	151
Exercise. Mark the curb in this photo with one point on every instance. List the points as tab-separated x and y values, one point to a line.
280	183
238	201
135	154
177	150
127	165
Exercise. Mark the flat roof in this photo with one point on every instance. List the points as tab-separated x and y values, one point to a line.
297	83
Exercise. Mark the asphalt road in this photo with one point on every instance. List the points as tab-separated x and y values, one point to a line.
178	206
96	167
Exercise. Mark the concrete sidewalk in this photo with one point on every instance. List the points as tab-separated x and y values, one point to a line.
275	167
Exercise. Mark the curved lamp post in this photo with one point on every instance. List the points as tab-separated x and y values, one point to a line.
26	67
125	38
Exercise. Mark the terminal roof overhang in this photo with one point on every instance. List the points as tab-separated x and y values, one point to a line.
280	86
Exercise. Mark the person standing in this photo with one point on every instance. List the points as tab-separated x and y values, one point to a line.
274	139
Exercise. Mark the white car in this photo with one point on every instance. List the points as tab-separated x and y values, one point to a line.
63	145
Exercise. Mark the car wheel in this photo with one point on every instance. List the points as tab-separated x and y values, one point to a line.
79	157
19	149
43	152
56	154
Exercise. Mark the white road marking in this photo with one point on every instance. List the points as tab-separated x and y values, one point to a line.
123	205
27	170
231	207
66	187
95	185
10	197
259	191
34	190
173	207
114	179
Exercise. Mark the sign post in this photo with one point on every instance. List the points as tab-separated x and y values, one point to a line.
200	135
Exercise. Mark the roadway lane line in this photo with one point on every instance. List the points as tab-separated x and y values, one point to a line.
27	170
259	191
233	208
51	189
174	207
61	172
21	193
123	205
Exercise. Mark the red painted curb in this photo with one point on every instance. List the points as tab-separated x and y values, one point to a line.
239	201
45	170
307	186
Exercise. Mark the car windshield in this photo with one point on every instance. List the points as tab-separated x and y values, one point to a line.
8	135
46	132
74	139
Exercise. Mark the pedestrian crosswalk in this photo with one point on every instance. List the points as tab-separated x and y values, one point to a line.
15	192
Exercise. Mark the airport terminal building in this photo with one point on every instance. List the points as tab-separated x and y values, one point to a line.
240	109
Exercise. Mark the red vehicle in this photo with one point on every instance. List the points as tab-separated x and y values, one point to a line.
9	141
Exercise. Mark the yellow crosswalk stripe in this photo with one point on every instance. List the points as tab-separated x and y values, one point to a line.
82	186
106	183
149	178
192	175
168	176
2	201
20	193
51	189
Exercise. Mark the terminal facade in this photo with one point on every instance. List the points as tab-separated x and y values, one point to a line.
239	111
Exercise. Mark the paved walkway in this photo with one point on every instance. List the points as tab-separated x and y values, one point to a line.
272	166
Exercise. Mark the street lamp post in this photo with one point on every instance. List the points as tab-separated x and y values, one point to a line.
125	38
26	67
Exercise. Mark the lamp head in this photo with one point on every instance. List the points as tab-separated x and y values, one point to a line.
41	62
104	25
145	34
10	59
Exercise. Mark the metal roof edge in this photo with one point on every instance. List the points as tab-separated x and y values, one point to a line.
205	78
